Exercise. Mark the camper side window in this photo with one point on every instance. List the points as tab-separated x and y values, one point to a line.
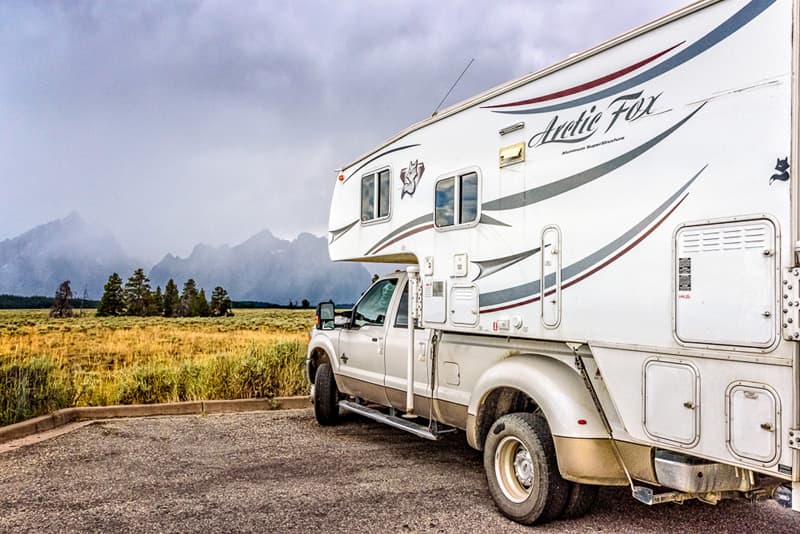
456	200
375	195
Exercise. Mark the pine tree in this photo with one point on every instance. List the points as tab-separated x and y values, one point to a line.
186	305
112	302
201	305
220	302
171	299
137	293
156	303
62	307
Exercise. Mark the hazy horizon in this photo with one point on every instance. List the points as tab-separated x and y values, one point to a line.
176	123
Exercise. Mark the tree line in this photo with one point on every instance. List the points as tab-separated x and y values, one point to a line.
136	298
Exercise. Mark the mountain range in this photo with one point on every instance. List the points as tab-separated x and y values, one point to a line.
263	268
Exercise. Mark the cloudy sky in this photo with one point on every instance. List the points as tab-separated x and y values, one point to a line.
178	122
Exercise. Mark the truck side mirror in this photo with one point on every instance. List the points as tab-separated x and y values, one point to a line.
324	319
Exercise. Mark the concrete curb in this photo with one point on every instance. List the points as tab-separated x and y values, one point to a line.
70	415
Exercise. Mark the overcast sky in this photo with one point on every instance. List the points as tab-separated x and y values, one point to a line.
176	122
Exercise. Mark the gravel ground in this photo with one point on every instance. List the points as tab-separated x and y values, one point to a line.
280	472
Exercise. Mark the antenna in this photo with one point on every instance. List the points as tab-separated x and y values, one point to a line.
435	111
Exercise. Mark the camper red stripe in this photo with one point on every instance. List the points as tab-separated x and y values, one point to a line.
587	85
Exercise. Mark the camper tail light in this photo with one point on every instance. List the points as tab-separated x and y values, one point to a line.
341	177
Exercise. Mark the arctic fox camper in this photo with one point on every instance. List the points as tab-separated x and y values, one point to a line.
604	270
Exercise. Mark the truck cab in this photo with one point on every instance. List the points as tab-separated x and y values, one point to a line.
368	350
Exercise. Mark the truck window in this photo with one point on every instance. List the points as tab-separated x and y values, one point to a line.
401	320
375	195
402	309
371	309
456	200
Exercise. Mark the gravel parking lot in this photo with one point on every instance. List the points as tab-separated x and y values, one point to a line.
280	472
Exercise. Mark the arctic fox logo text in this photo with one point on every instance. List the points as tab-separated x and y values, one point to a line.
628	107
410	177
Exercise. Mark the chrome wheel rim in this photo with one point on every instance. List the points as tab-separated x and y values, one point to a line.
513	468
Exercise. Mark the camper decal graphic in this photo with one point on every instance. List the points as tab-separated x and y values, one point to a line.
783	171
588	85
623	109
558	187
379	156
339	232
738	20
410	177
530	292
487	267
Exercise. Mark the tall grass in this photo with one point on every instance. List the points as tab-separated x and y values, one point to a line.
31	389
48	364
273	370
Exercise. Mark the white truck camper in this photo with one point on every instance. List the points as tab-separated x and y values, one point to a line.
604	270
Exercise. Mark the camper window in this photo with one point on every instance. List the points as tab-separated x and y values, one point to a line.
375	195
456	200
445	203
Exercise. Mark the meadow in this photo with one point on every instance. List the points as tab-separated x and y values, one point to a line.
47	364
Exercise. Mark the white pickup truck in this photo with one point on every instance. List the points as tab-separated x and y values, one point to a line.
533	407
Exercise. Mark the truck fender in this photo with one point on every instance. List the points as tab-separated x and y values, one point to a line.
555	387
320	348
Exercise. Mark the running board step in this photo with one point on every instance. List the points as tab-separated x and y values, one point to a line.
391	420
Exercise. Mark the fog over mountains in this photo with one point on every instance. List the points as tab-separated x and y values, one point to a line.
268	268
263	268
37	261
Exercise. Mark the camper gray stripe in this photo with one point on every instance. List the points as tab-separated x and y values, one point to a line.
487	267
485	219
532	288
425	219
537	194
718	34
336	234
379	156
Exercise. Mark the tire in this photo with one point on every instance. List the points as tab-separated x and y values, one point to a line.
326	396
581	500
520	462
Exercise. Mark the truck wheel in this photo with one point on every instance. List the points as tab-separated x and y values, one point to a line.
520	462
581	500
326	396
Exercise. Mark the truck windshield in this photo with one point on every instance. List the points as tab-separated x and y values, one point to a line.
372	307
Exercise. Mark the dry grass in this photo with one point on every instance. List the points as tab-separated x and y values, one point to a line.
51	363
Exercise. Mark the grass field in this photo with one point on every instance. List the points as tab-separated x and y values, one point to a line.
47	364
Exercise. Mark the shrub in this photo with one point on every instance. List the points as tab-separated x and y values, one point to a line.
148	384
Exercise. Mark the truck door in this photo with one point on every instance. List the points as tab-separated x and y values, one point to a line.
361	346
397	360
